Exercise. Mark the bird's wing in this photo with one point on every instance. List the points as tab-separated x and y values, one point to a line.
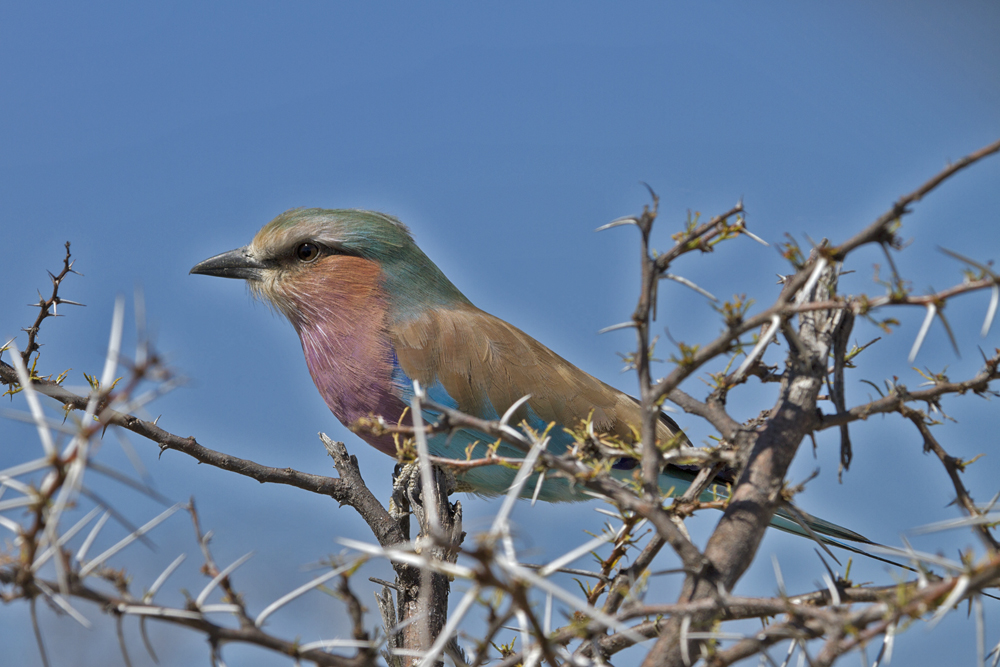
481	365
485	365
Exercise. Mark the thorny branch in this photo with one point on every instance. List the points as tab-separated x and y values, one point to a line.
794	416
880	231
20	573
48	308
612	615
953	466
123	603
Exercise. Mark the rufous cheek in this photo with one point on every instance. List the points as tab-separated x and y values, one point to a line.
345	285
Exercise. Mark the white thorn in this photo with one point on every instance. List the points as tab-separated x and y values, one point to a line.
759	347
63	604
85	547
513	408
618	222
515	488
953	598
134	535
424	461
200	600
688	283
160	580
32	397
301	590
114	344
571	556
928	319
454	619
616	327
64	538
755	237
991	311
803	294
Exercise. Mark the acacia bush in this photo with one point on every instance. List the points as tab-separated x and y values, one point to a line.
52	511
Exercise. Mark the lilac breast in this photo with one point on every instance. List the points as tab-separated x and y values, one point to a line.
353	373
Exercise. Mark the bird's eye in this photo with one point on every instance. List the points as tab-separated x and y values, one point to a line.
307	252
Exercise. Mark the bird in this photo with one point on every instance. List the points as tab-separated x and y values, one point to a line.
374	314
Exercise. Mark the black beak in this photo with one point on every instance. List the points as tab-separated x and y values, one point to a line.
237	263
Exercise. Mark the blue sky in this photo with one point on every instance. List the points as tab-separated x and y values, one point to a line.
154	136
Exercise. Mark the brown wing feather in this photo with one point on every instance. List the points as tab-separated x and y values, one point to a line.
486	365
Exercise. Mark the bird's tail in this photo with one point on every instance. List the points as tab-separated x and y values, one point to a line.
785	520
674	481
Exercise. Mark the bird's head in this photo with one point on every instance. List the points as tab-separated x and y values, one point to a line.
309	263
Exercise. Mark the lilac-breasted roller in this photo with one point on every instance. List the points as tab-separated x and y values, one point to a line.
374	313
